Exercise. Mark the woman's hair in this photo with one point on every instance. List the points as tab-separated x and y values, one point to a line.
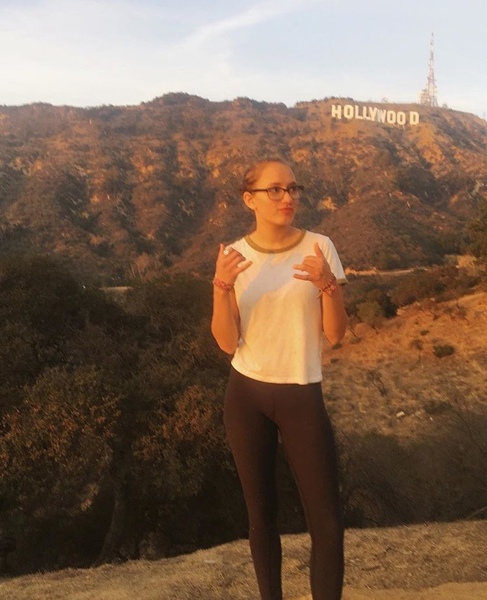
253	173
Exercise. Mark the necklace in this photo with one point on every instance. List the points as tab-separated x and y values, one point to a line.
255	246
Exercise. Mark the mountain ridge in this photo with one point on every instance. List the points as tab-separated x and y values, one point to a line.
130	191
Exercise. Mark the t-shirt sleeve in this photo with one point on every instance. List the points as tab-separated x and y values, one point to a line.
236	245
334	261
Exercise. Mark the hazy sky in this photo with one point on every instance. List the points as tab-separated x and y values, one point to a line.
92	52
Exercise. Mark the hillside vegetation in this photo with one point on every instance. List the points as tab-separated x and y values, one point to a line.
119	192
111	434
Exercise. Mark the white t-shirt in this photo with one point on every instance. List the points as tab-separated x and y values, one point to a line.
280	316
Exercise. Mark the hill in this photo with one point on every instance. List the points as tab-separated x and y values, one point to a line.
411	419
124	191
407	400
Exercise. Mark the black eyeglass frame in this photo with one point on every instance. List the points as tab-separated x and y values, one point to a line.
298	188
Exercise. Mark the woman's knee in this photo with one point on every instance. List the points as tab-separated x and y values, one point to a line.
262	516
327	532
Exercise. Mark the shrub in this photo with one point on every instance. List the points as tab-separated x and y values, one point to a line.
371	312
369	289
443	350
435	407
443	283
418	181
418	344
477	230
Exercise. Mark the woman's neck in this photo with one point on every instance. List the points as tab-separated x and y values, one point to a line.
274	237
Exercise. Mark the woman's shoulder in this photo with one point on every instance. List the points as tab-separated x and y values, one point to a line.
322	239
237	244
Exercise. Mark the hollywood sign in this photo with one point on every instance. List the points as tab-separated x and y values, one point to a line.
372	113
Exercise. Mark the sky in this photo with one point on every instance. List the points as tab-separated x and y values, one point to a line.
123	52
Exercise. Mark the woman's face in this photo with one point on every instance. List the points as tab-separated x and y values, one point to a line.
276	212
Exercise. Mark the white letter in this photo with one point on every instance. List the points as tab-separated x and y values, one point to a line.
401	118
336	111
381	116
413	117
348	111
357	116
391	117
373	112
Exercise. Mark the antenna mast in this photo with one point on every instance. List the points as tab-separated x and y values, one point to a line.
428	95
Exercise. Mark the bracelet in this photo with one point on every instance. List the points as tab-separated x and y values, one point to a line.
329	287
227	287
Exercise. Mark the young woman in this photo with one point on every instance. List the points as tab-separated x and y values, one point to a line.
276	291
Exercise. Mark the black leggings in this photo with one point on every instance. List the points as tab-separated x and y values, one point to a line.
254	412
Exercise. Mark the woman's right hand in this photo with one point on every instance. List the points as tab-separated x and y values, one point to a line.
229	265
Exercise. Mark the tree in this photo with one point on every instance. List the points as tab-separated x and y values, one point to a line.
57	442
372	313
65	361
477	230
106	412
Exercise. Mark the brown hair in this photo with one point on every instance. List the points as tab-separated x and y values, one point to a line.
253	173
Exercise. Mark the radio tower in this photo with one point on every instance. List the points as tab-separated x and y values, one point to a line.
428	94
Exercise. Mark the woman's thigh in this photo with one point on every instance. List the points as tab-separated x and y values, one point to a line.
252	437
308	440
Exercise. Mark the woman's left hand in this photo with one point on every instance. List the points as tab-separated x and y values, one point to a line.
318	271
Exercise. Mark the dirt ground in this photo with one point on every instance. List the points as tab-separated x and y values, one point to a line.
421	562
390	381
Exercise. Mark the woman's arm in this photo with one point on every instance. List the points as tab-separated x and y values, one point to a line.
225	322
334	315
319	273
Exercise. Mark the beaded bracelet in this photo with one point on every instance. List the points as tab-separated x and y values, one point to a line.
227	287
329	287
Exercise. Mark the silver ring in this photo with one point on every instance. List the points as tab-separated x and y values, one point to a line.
226	252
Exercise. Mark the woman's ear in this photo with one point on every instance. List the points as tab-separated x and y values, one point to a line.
248	199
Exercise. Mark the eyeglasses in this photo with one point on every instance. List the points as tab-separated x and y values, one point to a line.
277	193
